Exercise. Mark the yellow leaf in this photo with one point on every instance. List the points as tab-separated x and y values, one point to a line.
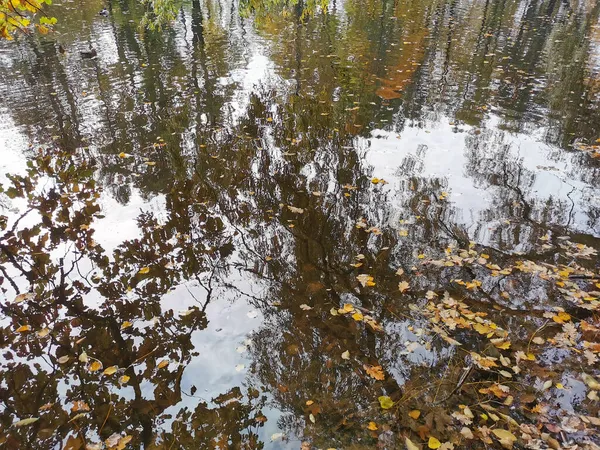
415	413
372	426
124	379
385	402
559	386
433	443
348	307
126	324
357	316
23	328
95	366
164	363
309	402
561	317
503	345
374	372
144	270
110	370
403	286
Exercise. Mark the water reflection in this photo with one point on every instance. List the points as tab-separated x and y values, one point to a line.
288	151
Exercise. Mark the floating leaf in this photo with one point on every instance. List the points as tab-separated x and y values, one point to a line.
110	370
63	359
83	357
346	355
123	379
295	210
410	445
80	405
385	402
374	372
43	332
163	363
403	286
467	433
144	270
506	438
372	426
23	328
125	324
561	317
95	366
24	422
415	413
24	297
358	316
365	280
312	418
433	443
305	307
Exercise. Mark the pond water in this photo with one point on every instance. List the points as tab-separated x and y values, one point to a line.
288	225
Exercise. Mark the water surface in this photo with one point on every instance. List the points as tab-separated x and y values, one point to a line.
235	179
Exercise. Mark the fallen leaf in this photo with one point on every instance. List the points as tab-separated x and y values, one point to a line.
23	328
374	372
23	422
365	280
415	413
358	316
372	426
110	370
467	433
410	445
433	443
95	366
80	405
125	324
506	438
295	210
43	332
63	359
123	379
23	297
305	307
144	270
346	355
403	286
385	402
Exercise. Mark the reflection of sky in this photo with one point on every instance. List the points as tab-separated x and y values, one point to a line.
440	152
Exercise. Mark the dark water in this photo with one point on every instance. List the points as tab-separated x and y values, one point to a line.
244	167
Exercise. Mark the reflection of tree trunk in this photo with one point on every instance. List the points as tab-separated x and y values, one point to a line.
50	69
